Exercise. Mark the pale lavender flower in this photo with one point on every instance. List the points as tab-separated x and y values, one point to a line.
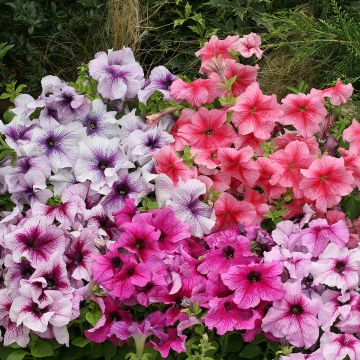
27	164
128	185
99	161
100	122
25	105
160	79
50	84
60	144
119	76
62	179
129	123
69	105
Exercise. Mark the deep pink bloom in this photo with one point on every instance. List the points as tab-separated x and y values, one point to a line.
339	346
254	282
320	233
255	112
238	164
196	93
249	45
229	212
352	136
326	181
184	118
111	312
259	202
141	239
304	112
294	317
169	164
224	315
337	267
291	160
282	141
126	213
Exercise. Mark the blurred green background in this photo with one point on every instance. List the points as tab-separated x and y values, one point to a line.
315	41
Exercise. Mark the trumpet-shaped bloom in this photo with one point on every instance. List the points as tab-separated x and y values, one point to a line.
339	346
326	181
254	282
339	93
249	45
352	135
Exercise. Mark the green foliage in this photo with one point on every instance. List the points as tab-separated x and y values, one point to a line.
49	37
12	91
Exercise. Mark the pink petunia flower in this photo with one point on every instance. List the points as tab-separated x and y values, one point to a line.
229	212
184	118
339	346
326	181
208	130
249	45
259	202
224	315
254	282
169	164
350	316
339	93
294	317
255	112
352	136
304	112
352	163
337	267
197	92
238	164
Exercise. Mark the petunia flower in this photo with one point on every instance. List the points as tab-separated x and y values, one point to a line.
225	316
119	76
304	112
254	282
255	112
339	346
339	93
326	181
100	122
294	317
349	313
249	45
352	136
337	267
160	79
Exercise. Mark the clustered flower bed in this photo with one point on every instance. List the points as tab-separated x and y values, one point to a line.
169	218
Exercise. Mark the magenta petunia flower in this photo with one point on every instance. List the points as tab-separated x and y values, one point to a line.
337	267
125	214
254	282
294	317
36	241
224	315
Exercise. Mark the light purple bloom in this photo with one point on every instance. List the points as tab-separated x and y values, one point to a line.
99	161
25	105
128	185
129	123
160	79
40	163
100	122
60	144
62	179
68	104
119	76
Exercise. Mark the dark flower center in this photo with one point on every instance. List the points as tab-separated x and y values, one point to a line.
140	244
30	244
148	287
50	282
36	310
162	236
114	316
116	262
92	125
27	271
228	252
296	309
227	306
208	132
67	98
78	258
340	266
241	229
51	142
152	143
130	271
102	164
122	189
308	280
254	276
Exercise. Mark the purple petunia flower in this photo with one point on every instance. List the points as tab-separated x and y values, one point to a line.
129	123
128	185
100	122
68	104
160	79
59	143
99	161
119	76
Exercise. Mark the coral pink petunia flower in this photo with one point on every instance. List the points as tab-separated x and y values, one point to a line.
208	130
249	45
196	93
282	141
352	136
229	212
238	164
168	163
254	282
304	112
224	315
184	118
259	202
352	163
255	112
291	160
294	317
326	181
339	93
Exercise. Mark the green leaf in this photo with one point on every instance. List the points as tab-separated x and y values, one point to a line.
250	351
42	349
351	205
235	343
17	355
80	342
4	49
93	314
109	351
